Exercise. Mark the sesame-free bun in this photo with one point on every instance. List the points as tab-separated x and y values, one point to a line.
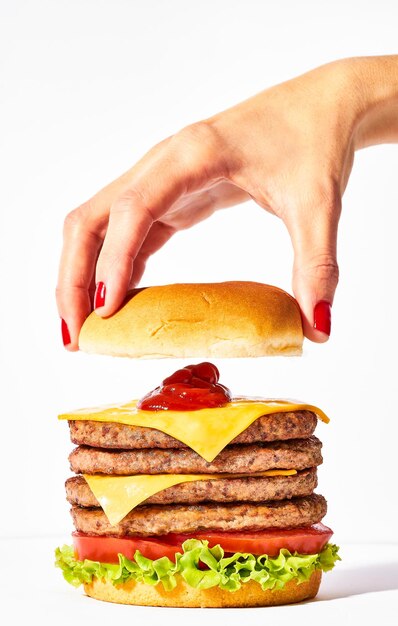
231	319
250	594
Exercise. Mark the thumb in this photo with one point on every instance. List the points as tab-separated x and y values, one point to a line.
315	269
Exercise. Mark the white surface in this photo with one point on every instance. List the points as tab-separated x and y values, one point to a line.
86	88
362	588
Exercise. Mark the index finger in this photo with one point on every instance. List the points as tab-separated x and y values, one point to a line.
84	232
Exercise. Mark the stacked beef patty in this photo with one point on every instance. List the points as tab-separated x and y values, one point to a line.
276	441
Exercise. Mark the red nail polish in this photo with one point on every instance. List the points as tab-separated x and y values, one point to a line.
323	317
65	332
99	298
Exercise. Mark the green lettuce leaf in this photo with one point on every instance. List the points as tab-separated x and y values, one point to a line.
225	572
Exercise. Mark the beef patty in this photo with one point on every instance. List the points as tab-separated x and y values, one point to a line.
274	427
163	519
294	454
253	489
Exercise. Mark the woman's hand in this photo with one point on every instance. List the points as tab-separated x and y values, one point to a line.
289	148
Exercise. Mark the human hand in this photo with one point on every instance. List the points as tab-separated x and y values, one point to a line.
289	148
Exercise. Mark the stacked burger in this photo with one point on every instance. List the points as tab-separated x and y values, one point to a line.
254	498
191	497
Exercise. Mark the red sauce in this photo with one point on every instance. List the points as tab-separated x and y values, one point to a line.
188	389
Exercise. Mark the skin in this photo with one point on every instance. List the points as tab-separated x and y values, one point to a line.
289	148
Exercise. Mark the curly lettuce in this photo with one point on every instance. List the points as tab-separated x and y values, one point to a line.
227	573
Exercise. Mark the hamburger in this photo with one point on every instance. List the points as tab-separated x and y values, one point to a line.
192	497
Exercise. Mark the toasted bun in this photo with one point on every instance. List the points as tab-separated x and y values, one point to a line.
250	594
232	319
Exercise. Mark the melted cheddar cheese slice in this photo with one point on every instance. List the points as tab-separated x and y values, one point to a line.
206	431
118	495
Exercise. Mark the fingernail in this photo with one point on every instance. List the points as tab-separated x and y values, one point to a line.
99	298
323	317
65	332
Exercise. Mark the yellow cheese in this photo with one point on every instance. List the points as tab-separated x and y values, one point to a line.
206	431
118	495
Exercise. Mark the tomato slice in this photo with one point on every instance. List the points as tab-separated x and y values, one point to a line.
305	540
106	549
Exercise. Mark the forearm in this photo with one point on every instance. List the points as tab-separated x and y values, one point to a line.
378	122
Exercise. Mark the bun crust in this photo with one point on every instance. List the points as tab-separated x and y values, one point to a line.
250	594
231	319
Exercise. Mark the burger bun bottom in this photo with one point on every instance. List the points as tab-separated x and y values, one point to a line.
249	595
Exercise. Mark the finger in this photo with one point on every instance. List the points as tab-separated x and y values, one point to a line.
76	273
152	191
315	271
84	231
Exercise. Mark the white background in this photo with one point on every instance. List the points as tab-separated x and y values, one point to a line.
86	88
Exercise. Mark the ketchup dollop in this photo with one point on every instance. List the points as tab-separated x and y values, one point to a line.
188	389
